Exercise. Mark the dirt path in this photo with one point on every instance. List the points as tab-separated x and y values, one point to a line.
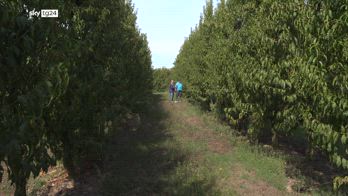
177	150
195	129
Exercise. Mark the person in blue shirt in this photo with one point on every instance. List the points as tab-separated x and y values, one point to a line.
171	90
178	88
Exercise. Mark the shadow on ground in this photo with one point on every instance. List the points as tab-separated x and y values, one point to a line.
315	174
307	174
142	162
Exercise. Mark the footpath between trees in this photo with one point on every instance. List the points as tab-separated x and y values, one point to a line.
179	150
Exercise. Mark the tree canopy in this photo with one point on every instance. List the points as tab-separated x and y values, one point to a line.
271	67
66	81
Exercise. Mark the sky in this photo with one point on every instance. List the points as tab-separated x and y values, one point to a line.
166	24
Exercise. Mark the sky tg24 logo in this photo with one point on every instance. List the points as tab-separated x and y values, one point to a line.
44	13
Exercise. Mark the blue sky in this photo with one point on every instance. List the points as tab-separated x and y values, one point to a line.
167	23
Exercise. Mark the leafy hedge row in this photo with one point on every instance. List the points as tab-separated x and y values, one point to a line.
270	67
161	79
65	82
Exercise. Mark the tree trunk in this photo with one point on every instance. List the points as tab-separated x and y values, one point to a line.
21	185
275	141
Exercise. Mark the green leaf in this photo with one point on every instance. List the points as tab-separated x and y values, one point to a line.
344	139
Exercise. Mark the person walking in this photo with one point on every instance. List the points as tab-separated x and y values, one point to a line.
171	90
178	87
